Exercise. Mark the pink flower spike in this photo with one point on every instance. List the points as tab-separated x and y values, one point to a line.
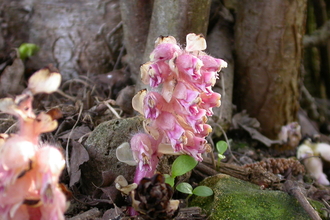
16	157
187	98
143	149
56	209
145	153
165	51
167	123
210	100
153	105
195	146
197	123
158	72
50	163
189	65
212	64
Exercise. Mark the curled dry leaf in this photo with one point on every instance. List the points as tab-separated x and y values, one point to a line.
137	101
44	81
11	78
195	42
123	186
165	39
45	123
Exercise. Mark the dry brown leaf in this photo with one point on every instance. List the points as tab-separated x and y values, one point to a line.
10	82
77	132
79	155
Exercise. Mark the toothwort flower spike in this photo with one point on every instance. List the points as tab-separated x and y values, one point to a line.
29	173
177	108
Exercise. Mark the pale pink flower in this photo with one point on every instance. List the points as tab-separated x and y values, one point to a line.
165	51
16	157
189	66
144	149
176	109
153	105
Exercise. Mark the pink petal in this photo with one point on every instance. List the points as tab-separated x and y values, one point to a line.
165	51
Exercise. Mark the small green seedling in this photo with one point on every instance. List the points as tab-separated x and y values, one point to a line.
198	191
180	166
27	50
221	148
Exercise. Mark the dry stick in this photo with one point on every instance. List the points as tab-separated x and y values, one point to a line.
294	190
69	138
112	109
13	125
65	95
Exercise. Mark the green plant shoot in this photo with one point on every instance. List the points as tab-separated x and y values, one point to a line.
180	166
221	148
27	50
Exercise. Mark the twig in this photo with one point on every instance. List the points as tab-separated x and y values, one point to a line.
65	95
13	125
112	109
293	189
69	138
318	37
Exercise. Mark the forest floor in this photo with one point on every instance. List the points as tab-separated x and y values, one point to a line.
84	106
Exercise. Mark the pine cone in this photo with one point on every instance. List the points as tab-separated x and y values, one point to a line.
279	166
152	199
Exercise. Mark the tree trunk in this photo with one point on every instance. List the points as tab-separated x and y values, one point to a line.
268	40
78	36
176	18
220	45
136	15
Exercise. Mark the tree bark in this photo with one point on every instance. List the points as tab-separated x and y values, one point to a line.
268	40
321	17
78	36
176	18
136	16
220	45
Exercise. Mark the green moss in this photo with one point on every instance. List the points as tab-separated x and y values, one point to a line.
237	199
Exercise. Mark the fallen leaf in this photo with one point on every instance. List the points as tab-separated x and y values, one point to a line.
79	155
242	120
76	133
11	77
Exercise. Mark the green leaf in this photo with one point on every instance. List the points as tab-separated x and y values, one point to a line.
184	188
169	180
221	146
182	165
203	191
27	50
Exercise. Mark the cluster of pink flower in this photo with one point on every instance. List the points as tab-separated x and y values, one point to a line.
29	173
178	104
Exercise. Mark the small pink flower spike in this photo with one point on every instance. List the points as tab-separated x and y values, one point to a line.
153	105
189	66
13	196
16	158
145	153
165	51
50	163
54	210
176	109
